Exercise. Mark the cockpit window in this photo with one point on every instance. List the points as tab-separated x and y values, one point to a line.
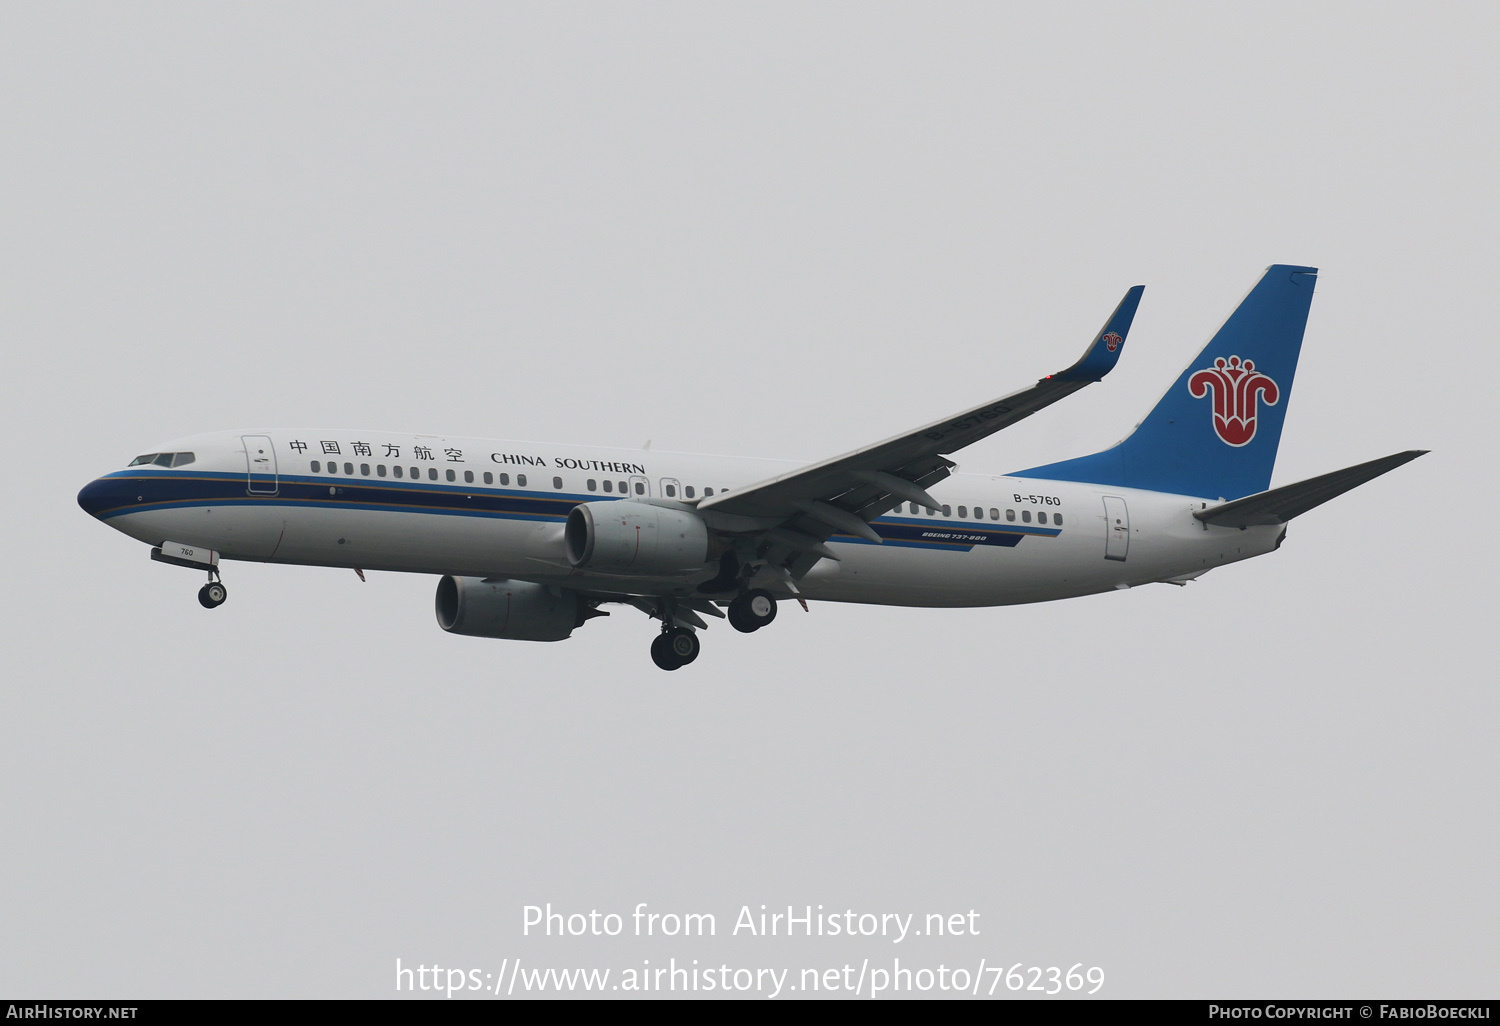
163	459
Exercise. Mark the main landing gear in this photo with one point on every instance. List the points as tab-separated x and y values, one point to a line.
674	648
677	644
752	611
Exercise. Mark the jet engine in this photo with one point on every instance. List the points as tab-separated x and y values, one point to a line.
484	608
623	537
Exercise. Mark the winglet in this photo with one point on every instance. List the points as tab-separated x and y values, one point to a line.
1104	352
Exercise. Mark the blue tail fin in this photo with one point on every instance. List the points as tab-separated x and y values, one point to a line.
1214	434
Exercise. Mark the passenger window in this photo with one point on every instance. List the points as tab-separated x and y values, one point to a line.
317	467
931	511
671	491
947	511
489	478
432	473
708	491
505	479
913	507
1057	519
349	469
396	471
688	491
1010	515
963	512
364	470
592	485
557	482
1041	518
380	470
609	486
521	480
333	468
1025	516
416	472
451	475
624	488
640	488
468	477
994	513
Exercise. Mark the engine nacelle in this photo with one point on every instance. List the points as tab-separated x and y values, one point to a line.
519	610
624	537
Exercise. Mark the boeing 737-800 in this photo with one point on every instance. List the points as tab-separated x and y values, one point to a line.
531	539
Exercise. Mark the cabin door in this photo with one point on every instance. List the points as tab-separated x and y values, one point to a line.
260	465
1116	528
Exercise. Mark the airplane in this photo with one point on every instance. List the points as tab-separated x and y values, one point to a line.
529	539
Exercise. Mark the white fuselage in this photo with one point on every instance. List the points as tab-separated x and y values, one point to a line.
482	508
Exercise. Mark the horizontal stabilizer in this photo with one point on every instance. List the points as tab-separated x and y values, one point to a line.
1282	504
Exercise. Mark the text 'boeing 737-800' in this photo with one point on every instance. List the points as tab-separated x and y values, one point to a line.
529	540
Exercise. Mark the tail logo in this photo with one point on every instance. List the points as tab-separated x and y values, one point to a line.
1112	341
1237	387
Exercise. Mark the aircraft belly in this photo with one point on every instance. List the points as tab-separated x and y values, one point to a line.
412	542
1036	570
235	532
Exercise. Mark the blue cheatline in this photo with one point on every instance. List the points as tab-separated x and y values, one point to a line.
1214	434
125	492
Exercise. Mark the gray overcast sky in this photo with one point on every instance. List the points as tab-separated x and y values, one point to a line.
775	230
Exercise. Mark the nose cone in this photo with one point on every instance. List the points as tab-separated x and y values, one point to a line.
99	498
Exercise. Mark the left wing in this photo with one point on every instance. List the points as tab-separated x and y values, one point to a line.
800	510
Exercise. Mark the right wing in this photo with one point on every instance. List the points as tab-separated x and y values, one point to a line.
800	510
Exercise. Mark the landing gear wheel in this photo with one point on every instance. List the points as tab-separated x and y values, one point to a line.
684	645
212	595
674	649
661	655
752	611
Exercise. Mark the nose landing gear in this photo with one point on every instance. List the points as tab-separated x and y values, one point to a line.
195	557
213	594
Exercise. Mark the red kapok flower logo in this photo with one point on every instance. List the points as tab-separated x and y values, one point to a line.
1237	387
